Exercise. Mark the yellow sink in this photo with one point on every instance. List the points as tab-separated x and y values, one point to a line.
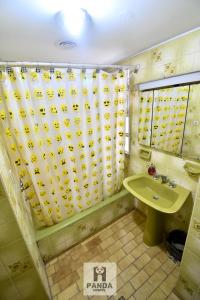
155	194
160	199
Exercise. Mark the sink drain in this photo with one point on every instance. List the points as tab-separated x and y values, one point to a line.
155	197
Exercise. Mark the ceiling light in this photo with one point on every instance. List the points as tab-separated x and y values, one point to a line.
74	20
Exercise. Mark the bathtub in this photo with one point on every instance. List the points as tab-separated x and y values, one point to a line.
56	239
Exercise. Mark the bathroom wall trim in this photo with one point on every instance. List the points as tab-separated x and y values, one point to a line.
46	232
170	81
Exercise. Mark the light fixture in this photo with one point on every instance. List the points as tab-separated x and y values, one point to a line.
74	20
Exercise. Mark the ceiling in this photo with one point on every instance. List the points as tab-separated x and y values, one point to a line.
29	29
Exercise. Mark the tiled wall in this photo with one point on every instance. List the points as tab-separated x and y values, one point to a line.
178	56
22	273
58	242
188	287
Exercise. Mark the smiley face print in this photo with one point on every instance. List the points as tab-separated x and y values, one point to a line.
75	107
106	89
38	94
85	91
61	92
56	124
73	91
26	129
53	109
46	76
34	76
71	75
12	76
67	123
17	95
42	111
64	108
2	115
106	103
30	144
50	94
22	113
59	75
87	106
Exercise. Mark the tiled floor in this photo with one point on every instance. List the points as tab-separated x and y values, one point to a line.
143	272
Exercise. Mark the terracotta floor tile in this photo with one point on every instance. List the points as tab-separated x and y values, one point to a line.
79	283
172	296
128	273
125	262
168	285
144	291
126	238
139	279
157	295
117	226
157	278
105	233
79	296
138	251
126	290
50	270
142	261
119	234
93	243
139	238
107	242
55	289
152	266
153	251
168	266
69	292
129	246
68	280
175	272
113	248
117	256
143	272
162	257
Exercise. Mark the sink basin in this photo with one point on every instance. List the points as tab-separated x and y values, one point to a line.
155	194
160	199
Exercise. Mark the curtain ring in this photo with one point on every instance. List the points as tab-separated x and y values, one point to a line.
8	69
24	69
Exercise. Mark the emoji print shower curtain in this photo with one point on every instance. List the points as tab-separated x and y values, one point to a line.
64	132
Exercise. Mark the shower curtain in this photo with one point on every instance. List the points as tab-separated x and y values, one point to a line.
64	132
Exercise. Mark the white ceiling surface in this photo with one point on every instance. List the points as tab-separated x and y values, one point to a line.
29	31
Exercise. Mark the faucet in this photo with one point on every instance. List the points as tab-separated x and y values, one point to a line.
164	178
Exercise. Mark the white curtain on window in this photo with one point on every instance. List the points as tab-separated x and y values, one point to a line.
64	132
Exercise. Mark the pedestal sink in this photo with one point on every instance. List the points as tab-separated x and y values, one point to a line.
160	199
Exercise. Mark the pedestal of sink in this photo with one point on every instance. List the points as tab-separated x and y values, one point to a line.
153	232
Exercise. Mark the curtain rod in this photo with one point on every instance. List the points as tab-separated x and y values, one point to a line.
68	65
